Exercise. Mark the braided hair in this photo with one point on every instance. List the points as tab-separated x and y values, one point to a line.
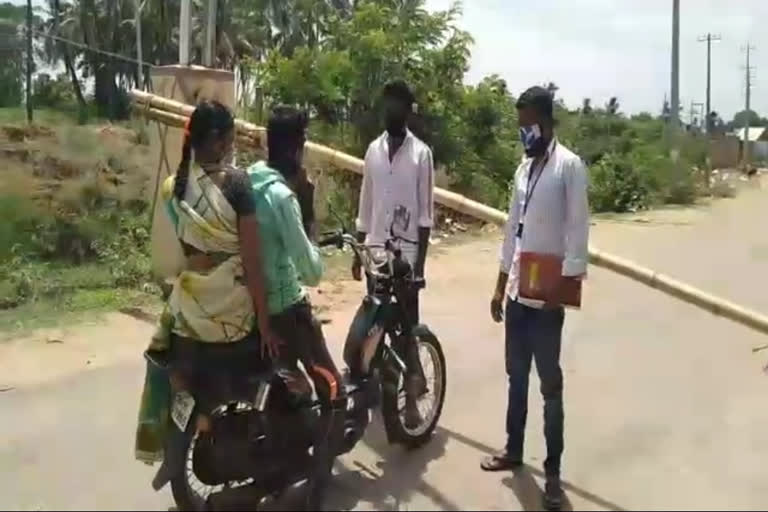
210	119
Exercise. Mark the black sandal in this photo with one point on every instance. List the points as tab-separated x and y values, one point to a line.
500	462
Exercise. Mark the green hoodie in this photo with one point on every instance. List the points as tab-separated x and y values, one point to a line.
290	259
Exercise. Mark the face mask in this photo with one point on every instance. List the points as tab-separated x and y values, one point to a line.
532	140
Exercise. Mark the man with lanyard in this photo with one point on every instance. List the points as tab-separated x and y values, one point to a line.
397	193
549	213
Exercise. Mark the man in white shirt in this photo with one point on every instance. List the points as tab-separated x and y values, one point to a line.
549	213
397	194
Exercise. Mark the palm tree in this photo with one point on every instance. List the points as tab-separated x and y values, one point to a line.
62	22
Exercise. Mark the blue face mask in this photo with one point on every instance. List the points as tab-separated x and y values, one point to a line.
531	138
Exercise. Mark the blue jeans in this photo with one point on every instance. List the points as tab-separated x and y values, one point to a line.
534	334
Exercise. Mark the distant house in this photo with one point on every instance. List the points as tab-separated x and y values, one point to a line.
758	139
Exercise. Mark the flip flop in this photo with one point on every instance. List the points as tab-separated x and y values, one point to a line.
500	462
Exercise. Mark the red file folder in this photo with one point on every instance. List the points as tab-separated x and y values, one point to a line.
538	271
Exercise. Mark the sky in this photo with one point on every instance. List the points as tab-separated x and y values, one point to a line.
602	48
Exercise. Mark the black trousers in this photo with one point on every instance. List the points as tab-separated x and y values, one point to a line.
534	334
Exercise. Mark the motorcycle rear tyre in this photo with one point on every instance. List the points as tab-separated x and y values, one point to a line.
186	499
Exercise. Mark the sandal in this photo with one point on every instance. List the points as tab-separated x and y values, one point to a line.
500	462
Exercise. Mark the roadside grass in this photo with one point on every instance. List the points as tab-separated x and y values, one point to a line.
74	236
78	306
47	116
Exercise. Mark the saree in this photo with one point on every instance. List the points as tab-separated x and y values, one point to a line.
212	306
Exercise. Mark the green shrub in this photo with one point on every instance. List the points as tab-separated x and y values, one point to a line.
616	185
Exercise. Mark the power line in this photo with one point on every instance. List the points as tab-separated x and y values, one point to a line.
90	49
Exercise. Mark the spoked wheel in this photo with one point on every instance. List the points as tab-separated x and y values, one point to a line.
430	403
189	493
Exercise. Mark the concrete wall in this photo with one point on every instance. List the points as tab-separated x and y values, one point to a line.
724	152
760	150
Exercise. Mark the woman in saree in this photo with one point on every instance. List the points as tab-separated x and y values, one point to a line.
216	321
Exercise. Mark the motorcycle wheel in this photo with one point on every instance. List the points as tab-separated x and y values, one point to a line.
189	493
430	404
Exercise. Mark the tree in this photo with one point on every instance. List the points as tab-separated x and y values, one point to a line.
740	118
612	107
62	23
11	52
341	77
716	124
586	106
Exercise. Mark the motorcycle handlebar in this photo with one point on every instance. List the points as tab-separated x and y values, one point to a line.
340	238
331	238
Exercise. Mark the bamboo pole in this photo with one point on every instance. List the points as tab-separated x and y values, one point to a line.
178	121
175	114
325	154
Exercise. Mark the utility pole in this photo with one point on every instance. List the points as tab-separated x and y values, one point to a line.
747	96
675	86
185	29
30	62
210	34
696	108
709	38
139	50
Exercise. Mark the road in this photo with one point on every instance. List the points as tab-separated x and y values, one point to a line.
665	404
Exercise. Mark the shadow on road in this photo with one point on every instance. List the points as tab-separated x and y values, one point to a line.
395	478
528	492
523	484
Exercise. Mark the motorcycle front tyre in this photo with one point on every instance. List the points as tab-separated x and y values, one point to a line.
393	419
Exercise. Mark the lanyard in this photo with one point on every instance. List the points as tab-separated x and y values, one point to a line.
530	187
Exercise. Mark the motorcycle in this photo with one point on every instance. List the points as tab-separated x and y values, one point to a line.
264	435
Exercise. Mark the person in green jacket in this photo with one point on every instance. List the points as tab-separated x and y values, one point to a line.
290	259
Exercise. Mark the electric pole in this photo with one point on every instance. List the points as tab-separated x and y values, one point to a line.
709	38
675	86
747	96
185	29
696	107
139	5
209	48
30	62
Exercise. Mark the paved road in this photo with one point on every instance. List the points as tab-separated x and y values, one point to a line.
665	404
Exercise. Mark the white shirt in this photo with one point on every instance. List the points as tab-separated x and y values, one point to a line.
404	185
556	220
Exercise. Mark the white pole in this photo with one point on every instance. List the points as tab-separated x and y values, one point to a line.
139	52
210	34
185	25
